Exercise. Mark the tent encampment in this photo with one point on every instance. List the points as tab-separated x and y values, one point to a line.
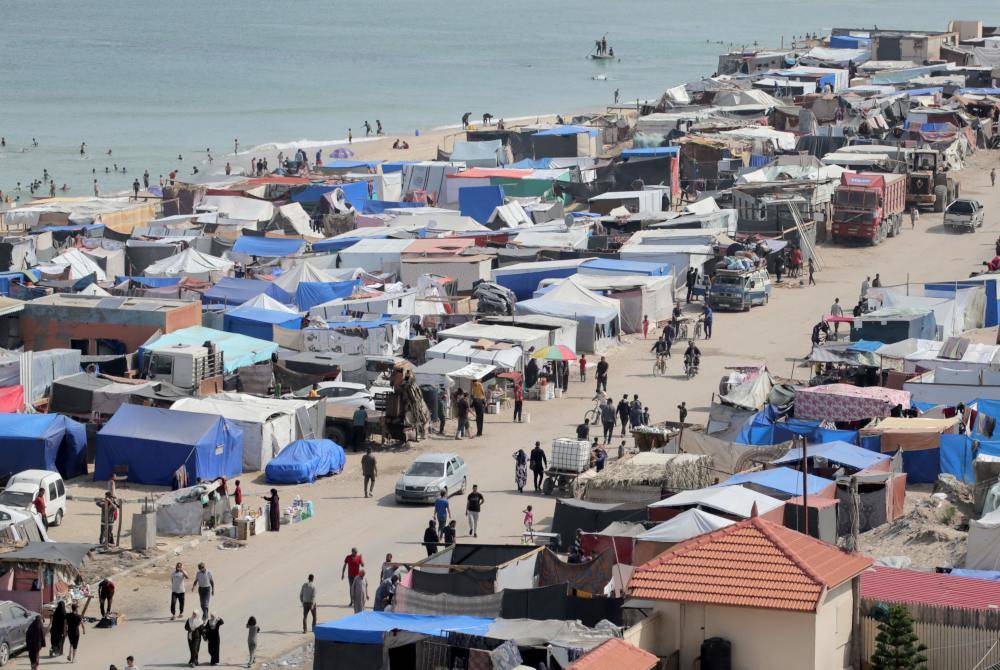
152	444
304	460
684	526
258	323
237	350
42	442
599	318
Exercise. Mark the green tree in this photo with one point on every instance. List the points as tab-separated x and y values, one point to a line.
896	645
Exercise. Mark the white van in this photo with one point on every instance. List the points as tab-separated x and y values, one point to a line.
22	487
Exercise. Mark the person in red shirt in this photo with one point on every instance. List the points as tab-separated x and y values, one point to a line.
39	503
994	264
645	327
583	367
353	563
238	494
518	400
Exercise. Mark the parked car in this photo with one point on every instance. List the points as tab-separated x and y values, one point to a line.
341	393
22	487
14	622
964	214
429	475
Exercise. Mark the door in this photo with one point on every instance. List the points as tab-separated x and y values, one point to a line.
451	481
19	626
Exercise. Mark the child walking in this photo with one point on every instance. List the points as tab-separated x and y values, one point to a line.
583	367
529	521
252	630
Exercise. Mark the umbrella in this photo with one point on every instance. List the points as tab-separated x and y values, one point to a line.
558	352
341	153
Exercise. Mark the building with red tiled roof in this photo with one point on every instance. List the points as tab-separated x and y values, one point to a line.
762	587
615	654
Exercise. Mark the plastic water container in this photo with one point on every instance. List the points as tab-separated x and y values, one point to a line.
309	508
570	455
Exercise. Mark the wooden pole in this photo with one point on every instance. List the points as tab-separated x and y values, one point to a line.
805	487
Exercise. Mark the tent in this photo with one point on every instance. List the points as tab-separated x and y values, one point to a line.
309	294
837	453
238	350
268	424
42	442
684	526
268	247
844	402
508	358
80	265
234	291
237	207
614	266
479	202
304	460
734	502
927	445
190	263
523	278
258	323
154	443
618	537
264	301
489	153
984	543
303	271
375	255
571	513
781	483
599	318
639	296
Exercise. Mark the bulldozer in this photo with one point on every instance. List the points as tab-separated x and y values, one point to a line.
928	182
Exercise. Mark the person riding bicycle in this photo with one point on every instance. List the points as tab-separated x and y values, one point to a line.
692	355
660	347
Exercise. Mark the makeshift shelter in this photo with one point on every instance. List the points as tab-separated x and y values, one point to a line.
79	264
238	350
506	356
303	271
237	207
268	247
190	263
42	442
181	512
150	445
235	291
835	456
525	338
844	402
782	483
618	538
464	270
258	323
303	461
375	255
453	373
731	502
919	439
642	477
571	514
268	424
38	572
639	296
690	523
490	153
984	543
524	278
476	569
599	318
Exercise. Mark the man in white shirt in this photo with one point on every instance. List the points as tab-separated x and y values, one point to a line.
836	310
177	579
206	588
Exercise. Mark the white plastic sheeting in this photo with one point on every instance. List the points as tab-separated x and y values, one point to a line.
190	263
375	255
80	265
297	219
984	543
236	207
463	350
302	271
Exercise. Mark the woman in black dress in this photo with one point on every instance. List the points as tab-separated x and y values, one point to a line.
57	630
211	630
74	628
274	513
34	640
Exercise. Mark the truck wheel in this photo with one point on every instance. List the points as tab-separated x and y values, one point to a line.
940	195
336	433
891	230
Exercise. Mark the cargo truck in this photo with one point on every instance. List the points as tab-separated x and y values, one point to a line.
868	207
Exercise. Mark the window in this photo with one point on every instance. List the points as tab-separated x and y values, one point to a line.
52	491
60	488
161	365
451	467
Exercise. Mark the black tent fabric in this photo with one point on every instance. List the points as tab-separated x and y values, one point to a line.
75	394
344	656
589	517
457	583
487	554
651	171
547	602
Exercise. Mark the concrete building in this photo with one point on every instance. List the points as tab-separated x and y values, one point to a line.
769	591
102	325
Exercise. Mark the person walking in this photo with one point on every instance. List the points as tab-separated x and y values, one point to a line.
635	412
193	628
353	563
388	568
691	280
779	268
442	407
205	583
518	401
39	504
212	637
431	538
836	311
74	629
993	177
608	420
623	413
57	630
708	317
520	470
177	579
442	509
645	327
369	471
914	216
812	270
105	595
682	411
877	282
865	285
307	597
359	592
252	631
473	506
602	375
34	640
273	513
478	404
462	416
538	464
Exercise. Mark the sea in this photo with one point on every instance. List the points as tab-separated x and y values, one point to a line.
160	84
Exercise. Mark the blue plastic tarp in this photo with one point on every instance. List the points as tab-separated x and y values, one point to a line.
371	627
532	163
150	282
312	192
479	201
650	152
848	42
379	206
154	443
238	350
561	131
258	323
865	345
303	461
841	453
340	243
931	90
268	247
312	293
989	575
978	91
42	442
991	314
348	164
234	291
783	480
955	457
618	266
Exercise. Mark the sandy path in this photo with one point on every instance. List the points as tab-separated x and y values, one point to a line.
264	578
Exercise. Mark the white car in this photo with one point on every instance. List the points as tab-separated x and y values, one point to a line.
429	475
341	393
22	488
964	214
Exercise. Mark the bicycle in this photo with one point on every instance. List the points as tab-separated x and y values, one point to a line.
660	366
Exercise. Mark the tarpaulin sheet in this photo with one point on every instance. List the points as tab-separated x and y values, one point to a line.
303	461
561	131
153	443
258	323
783	480
42	442
356	193
479	202
844	402
309	294
238	350
11	398
591	576
312	192
410	601
151	282
234	291
842	453
457	583
269	247
379	206
571	513
371	627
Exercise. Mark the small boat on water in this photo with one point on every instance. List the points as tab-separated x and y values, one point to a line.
601	57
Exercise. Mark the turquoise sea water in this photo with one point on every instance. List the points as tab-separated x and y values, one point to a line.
151	81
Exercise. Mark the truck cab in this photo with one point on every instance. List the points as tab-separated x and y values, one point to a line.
868	207
187	366
739	289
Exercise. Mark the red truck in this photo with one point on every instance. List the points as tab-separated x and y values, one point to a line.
868	206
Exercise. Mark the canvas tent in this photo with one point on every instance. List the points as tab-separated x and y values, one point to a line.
303	461
984	543
258	323
684	526
152	444
42	442
375	255
845	402
599	318
509	357
303	271
638	296
733	502
571	513
190	263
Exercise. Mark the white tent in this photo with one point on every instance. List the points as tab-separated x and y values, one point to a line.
732	500
236	207
954	312
269	424
984	543
264	301
684	526
94	289
297	219
599	318
289	280
375	255
80	265
509	358
190	263
575	238
638	296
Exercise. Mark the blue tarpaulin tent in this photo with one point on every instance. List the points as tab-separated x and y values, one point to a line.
356	193
560	131
312	293
238	350
764	428
341	243
778	482
479	201
371	627
154	443
233	291
150	282
42	442
617	266
268	247
837	452
257	322
312	192
305	460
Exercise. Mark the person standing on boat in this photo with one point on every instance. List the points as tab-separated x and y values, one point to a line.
604	45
